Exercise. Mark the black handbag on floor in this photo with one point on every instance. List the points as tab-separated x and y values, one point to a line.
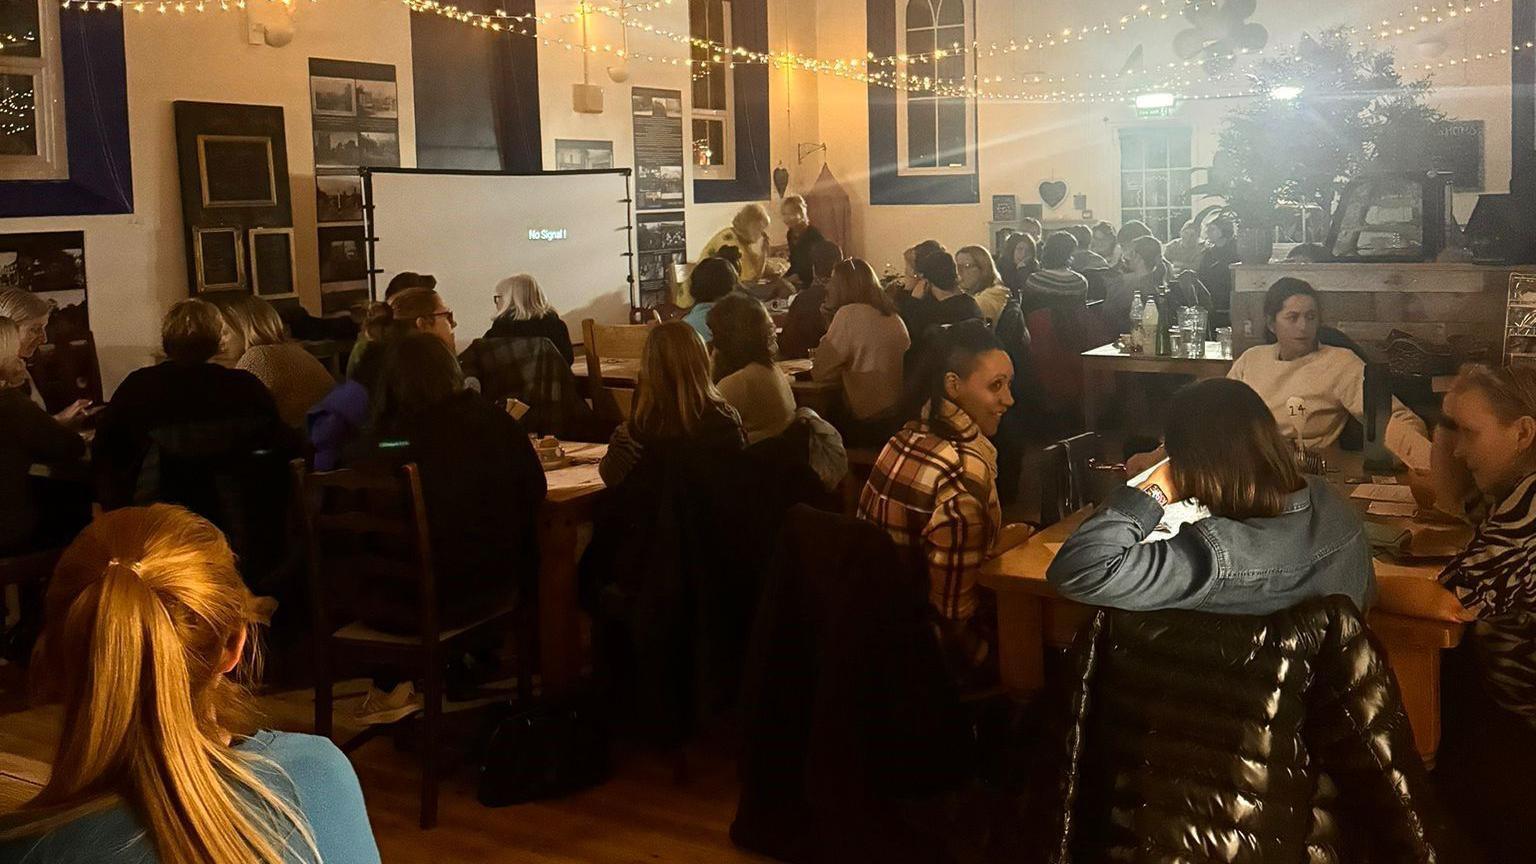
546	751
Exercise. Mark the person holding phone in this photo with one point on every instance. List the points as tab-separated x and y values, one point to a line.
31	314
1273	537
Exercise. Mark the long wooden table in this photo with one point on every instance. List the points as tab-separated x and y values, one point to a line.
1100	365
1031	615
568	508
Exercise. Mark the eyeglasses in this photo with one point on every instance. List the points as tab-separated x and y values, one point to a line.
448	313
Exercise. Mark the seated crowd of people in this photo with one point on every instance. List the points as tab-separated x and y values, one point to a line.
947	373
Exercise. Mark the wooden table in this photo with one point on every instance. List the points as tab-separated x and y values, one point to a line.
823	397
1031	615
568	506
1101	364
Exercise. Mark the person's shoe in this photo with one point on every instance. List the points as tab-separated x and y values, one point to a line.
379	708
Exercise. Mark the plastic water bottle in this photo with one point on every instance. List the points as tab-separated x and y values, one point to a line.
1138	307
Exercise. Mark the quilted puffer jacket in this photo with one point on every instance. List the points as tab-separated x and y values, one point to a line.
1198	738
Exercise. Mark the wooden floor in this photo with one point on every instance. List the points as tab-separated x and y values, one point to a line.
639	815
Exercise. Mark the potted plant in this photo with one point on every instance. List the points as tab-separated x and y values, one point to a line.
1329	111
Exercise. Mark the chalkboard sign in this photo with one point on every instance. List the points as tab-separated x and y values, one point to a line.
1005	208
1459	150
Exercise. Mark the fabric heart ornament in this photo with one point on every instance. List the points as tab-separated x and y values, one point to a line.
1053	192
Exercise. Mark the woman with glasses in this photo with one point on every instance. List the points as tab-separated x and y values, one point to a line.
423	310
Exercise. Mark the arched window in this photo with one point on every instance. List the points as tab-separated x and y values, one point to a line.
936	120
31	92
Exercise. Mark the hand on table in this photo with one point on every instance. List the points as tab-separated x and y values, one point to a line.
1420	598
1012	536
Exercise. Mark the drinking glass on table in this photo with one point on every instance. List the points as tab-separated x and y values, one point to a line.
1224	336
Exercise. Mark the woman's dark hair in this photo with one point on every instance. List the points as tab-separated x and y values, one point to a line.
1284	289
824	256
1150	250
418	371
926	247
1226	451
1058	251
1132	231
191	331
712	279
953	348
1106	229
1227	228
1082	234
742	335
403	281
938	268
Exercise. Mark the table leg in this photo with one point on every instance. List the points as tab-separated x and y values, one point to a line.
1020	642
1417	668
1092	382
560	657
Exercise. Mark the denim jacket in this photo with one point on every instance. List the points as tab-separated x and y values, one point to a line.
1314	548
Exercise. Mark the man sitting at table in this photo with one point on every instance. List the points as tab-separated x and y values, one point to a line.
1273	537
1314	389
1484	468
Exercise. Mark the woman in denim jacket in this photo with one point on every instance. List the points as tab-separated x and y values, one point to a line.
1273	539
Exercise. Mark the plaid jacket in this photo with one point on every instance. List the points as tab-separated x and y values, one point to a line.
533	370
938	501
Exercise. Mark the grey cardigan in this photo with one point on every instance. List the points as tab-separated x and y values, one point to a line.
1315	547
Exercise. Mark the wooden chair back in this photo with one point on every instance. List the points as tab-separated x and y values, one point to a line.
611	342
1072	476
370	526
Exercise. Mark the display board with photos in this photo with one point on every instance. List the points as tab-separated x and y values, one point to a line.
355	108
233	166
51	264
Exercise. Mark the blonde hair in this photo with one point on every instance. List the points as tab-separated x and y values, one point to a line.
674	392
752	214
984	262
521	298
1510	390
140	618
249	318
854	281
796	201
23	306
13	372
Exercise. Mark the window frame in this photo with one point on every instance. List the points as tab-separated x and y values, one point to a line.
904	167
1170	206
51	162
726	117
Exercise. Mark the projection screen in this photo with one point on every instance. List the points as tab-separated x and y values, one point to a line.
569	229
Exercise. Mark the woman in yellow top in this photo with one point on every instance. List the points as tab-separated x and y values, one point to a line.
748	234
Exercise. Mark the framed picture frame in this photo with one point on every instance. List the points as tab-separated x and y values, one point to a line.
219	259
273	267
236	171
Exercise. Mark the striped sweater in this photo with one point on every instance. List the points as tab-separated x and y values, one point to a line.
1495	578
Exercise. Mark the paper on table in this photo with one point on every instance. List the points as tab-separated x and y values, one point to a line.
1391	508
1378	492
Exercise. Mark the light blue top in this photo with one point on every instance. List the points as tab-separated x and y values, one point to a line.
1316	547
698	317
319	783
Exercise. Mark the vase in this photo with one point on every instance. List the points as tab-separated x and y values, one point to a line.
1255	245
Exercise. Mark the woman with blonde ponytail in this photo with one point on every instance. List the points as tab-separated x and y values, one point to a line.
145	642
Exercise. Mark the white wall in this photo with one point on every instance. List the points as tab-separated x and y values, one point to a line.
559	68
136	264
1025	144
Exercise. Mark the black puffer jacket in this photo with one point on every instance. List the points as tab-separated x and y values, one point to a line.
1209	738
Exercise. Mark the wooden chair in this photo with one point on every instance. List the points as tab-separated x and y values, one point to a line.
373	528
1072	477
611	342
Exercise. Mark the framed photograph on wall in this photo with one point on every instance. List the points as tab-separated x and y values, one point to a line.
236	171
220	259
272	263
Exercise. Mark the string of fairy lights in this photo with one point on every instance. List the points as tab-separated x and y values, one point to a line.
897	71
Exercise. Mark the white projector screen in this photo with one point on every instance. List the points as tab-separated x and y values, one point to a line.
569	230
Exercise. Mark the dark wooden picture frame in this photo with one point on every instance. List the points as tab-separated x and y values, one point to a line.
236	171
273	265
218	252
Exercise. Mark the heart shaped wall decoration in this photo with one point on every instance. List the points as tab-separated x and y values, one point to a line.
1053	192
